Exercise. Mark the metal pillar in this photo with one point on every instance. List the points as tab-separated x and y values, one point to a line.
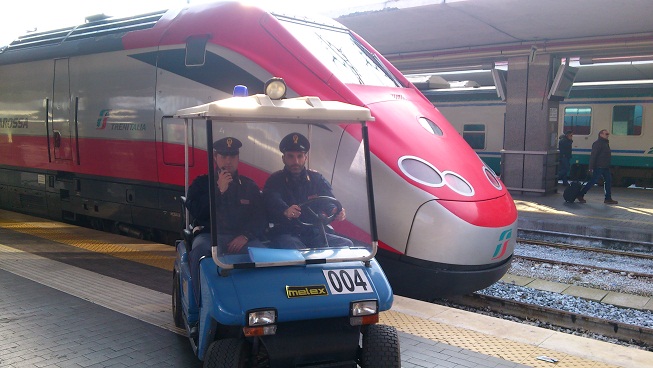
529	155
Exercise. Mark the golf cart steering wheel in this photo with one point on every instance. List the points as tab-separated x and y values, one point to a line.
313	218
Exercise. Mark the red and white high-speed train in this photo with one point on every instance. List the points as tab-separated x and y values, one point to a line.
87	134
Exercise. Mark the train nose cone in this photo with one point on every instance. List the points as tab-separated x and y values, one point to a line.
464	233
454	248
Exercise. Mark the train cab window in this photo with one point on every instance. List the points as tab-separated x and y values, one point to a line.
627	120
474	134
578	119
340	52
196	50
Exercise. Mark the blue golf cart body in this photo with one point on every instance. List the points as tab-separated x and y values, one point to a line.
275	307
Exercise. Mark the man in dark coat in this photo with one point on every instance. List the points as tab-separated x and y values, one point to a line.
287	189
240	214
599	165
564	146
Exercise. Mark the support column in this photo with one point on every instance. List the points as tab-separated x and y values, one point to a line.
529	155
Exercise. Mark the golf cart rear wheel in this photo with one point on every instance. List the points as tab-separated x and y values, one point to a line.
227	353
176	301
380	347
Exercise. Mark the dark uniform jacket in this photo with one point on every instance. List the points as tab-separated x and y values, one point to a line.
564	145
282	190
240	209
601	154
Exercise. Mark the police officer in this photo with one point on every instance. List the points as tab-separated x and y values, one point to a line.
240	213
286	189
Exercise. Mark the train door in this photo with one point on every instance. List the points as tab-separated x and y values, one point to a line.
61	127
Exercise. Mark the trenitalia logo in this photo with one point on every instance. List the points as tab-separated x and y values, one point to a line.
504	239
304	291
102	121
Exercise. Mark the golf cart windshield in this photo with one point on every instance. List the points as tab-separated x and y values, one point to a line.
334	226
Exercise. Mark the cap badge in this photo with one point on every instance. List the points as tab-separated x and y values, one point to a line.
229	142
295	139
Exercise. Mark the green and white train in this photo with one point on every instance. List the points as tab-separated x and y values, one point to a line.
626	110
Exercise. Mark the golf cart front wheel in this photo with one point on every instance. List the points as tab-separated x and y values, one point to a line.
227	353
380	347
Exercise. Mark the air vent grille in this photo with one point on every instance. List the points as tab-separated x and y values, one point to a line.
102	27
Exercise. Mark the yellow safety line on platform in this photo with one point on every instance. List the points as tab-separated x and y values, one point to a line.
63	233
485	344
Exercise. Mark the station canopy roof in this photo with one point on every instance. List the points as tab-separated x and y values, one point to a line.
424	36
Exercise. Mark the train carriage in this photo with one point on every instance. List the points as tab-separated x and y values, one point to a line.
88	133
624	109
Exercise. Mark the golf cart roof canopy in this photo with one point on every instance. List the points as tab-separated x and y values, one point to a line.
260	107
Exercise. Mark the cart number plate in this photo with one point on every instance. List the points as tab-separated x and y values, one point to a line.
348	281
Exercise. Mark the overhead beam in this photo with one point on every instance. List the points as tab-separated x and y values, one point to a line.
421	62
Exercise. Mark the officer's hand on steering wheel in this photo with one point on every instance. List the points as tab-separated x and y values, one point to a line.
293	211
341	216
315	217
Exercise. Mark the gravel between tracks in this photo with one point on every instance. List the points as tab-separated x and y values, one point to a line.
571	304
582	276
600	278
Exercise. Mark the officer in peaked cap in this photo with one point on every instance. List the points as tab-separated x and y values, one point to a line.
294	142
239	213
284	192
228	146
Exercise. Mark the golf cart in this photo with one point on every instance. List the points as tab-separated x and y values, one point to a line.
274	307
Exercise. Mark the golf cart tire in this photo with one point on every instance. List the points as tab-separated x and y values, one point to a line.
226	353
176	301
380	347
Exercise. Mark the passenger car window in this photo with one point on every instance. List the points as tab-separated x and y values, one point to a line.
627	120
474	134
578	119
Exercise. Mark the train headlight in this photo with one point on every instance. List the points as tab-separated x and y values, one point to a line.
420	171
363	312
458	184
492	177
261	322
275	88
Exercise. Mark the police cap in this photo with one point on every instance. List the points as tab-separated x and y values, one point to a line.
294	142
227	146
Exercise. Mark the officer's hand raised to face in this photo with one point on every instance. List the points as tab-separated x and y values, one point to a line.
224	179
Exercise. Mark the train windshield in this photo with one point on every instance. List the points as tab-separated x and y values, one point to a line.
341	53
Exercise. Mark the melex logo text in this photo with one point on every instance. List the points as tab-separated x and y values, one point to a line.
303	291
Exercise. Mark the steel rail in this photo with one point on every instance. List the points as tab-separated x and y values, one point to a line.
614	270
587	249
613	329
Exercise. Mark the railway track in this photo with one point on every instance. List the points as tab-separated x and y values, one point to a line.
641	336
551	259
585	240
592	254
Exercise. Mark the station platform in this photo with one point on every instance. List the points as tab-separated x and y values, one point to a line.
75	297
630	220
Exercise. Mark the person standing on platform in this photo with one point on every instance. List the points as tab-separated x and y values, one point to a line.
600	166
564	146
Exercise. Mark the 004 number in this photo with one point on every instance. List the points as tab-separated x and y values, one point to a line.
347	281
